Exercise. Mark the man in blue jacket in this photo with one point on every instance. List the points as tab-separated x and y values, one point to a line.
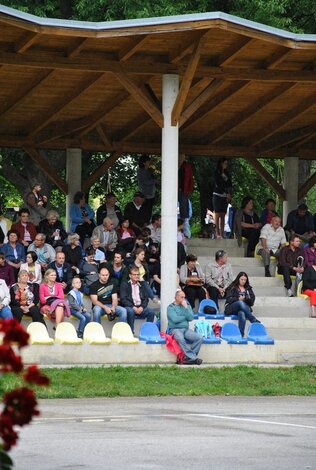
179	315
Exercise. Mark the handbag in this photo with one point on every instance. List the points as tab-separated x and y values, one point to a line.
50	300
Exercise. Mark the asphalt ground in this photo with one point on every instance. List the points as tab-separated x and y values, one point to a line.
211	432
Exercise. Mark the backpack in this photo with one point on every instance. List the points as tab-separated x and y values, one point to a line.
217	329
203	328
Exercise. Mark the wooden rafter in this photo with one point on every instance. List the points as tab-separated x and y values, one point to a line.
267	177
288	117
233	50
131	49
142	98
47	169
26	41
77	48
60	129
187	46
129	130
103	168
276	58
279	140
186	83
103	135
303	190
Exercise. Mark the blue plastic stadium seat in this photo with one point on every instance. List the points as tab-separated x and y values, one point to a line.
149	332
210	303
204	328
230	333
257	333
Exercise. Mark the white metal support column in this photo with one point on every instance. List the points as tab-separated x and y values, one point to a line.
73	177
169	196
290	185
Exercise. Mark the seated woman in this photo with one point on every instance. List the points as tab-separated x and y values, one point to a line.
247	225
192	280
73	252
5	311
126	236
82	217
239	300
309	285
33	267
310	251
268	212
14	251
24	298
53	229
99	251
52	299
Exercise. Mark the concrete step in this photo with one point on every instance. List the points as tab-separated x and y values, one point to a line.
210	252
214	244
260	281
292	334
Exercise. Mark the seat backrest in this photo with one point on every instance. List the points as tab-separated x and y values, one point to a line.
66	332
38	332
122	331
94	332
148	330
207	302
257	329
230	329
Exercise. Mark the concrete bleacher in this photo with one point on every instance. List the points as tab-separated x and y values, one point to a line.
286	320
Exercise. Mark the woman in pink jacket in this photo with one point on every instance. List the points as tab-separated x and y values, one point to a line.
52	299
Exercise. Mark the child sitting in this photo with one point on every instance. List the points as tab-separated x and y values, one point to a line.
75	299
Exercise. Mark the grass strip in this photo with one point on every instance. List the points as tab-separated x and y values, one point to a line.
117	381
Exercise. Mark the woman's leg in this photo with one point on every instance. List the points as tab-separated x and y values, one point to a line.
217	224
312	298
17	313
36	315
244	313
190	294
59	314
222	223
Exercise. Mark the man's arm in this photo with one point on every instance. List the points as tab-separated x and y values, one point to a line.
95	301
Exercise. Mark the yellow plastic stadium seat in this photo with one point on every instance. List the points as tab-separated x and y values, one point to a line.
94	334
38	333
259	256
280	276
66	334
299	291
122	333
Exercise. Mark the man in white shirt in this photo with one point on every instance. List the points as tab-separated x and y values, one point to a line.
155	228
272	239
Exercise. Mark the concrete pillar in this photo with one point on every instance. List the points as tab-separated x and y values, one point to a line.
73	178
290	185
169	196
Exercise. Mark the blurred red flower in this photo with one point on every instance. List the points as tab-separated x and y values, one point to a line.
7	433
35	376
14	333
20	405
10	361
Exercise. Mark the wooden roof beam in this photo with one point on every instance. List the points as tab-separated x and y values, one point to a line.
103	135
187	46
47	169
131	128
60	129
142	98
131	49
276	58
103	168
77	48
186	83
232	52
280	191
281	122
303	190
280	140
25	42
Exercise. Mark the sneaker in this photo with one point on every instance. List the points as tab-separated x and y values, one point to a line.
290	293
187	361
267	271
198	361
80	334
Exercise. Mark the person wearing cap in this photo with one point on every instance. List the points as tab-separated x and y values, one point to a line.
36	203
146	183
136	213
218	276
110	209
300	222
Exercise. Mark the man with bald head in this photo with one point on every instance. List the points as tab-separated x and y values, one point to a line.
272	239
179	315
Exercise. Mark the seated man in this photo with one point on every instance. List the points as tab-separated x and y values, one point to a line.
63	271
179	315
45	252
155	228
291	262
89	270
134	297
111	210
218	276
116	268
106	234
26	230
103	295
272	237
300	222
136	213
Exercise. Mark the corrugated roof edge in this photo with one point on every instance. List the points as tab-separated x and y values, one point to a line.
112	25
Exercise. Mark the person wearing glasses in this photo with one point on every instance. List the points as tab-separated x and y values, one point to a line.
218	276
45	252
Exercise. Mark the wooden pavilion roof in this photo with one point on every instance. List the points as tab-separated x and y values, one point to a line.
245	89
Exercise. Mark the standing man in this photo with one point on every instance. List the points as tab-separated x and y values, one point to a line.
291	262
218	276
179	315
134	297
103	295
272	238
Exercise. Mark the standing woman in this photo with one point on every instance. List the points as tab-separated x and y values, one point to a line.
239	300
52	299
82	217
221	195
147	184
33	267
24	298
